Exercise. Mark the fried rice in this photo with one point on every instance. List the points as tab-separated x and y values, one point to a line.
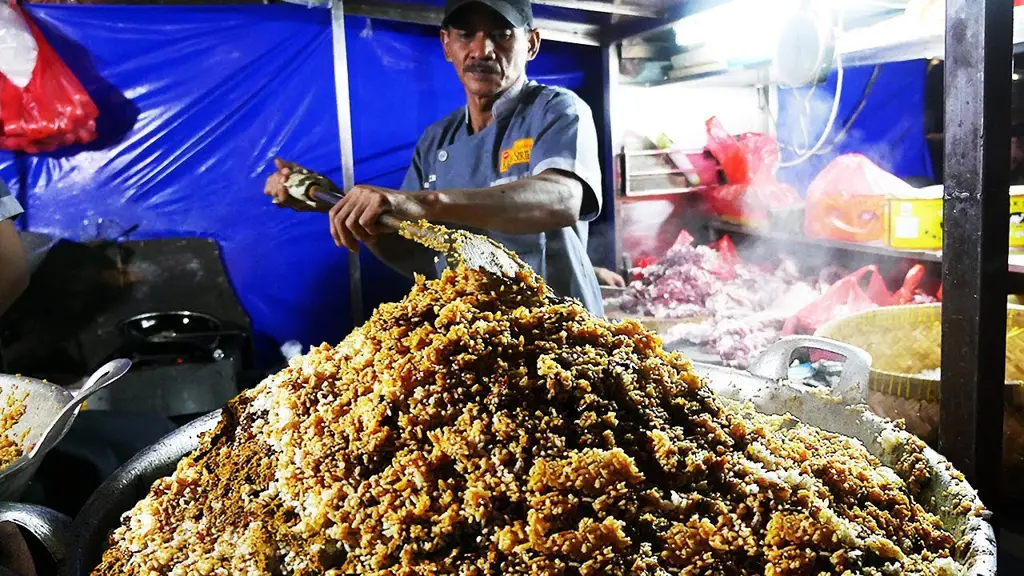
11	412
482	427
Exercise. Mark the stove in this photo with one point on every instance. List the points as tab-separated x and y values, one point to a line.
90	302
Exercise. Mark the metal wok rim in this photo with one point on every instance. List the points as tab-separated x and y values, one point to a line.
125	325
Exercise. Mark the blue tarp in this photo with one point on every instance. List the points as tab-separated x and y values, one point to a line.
889	129
194	103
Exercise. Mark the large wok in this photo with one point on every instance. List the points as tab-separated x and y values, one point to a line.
839	410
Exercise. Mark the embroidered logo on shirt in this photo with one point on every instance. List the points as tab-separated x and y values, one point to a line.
519	153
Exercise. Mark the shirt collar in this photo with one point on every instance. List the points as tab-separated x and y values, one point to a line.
507	102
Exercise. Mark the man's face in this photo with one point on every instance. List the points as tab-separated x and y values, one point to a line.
488	54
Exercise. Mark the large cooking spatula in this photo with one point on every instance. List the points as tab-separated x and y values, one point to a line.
458	246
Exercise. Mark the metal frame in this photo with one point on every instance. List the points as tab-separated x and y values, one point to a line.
979	58
573	33
340	50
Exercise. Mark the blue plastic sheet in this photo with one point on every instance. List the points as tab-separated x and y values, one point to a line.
194	103
889	128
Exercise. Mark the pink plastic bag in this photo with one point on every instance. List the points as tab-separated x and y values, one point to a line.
843	298
848	200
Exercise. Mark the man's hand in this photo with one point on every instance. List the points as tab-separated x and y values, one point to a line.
354	218
606	277
275	188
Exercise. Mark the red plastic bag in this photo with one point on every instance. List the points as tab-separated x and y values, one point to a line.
749	164
728	152
53	110
727	251
849	200
905	295
728	258
843	298
684	238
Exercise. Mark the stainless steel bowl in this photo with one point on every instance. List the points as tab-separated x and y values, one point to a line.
43	404
839	410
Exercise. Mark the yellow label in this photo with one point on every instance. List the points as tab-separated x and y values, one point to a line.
917	224
519	153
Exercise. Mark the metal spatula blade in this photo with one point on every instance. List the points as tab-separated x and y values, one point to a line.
458	246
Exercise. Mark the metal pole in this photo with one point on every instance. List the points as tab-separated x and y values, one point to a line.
609	76
341	95
979	49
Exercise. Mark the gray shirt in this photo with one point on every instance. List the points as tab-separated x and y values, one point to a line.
9	207
535	128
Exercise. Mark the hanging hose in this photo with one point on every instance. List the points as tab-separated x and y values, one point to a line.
831	119
832	115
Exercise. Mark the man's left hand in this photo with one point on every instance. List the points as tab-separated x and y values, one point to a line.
354	218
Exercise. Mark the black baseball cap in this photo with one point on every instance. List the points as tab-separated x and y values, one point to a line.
518	12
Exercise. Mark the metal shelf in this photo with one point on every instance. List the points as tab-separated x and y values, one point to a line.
858	50
628	176
1015	262
662	192
892	40
665	172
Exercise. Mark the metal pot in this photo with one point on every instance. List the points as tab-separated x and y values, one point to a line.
171	332
839	410
42	405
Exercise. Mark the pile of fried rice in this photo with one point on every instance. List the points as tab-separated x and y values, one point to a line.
482	427
12	410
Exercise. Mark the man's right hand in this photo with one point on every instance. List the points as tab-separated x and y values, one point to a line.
275	188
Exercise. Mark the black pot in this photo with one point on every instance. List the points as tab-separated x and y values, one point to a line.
171	333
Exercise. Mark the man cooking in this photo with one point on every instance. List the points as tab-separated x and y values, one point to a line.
518	163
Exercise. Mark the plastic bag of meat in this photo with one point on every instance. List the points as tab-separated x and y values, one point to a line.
843	298
749	163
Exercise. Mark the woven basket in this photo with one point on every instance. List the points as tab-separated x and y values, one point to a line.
905	341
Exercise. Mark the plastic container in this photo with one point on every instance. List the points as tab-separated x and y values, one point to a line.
915	223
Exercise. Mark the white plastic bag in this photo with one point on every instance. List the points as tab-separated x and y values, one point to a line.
18	49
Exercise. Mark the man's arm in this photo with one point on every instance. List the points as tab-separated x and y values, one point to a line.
548	201
399	253
402	254
564	186
13	266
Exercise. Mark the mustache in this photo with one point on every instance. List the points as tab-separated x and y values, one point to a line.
481	68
